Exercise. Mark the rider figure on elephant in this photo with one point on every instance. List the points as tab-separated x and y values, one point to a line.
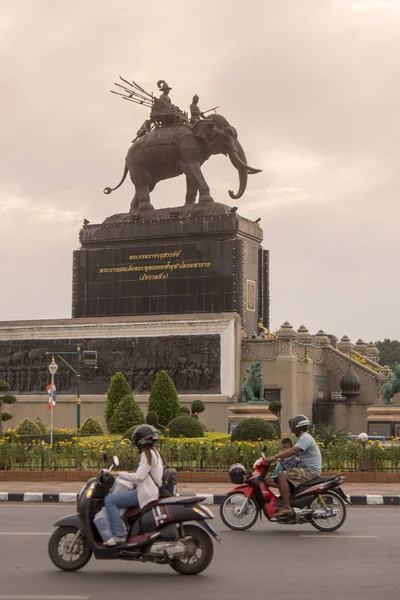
164	112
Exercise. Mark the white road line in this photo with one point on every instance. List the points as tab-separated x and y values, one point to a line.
329	535
9	597
24	533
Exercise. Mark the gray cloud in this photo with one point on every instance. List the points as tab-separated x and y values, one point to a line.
313	89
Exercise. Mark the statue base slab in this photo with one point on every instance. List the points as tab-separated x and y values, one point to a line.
187	210
243	411
201	258
384	419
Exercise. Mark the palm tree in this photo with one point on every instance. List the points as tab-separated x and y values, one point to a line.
5	399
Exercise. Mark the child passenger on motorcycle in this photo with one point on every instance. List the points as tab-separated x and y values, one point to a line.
284	464
148	479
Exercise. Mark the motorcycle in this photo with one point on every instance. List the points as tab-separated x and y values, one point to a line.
158	533
320	502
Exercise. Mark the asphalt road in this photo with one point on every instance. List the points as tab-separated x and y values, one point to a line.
360	561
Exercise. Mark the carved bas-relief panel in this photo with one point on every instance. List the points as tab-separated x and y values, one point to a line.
192	362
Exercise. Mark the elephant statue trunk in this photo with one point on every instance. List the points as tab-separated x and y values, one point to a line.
238	159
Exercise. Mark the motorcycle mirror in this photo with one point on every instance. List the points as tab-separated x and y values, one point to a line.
263	448
116	461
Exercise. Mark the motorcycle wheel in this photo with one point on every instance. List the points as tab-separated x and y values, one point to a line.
59	549
231	505
199	554
332	502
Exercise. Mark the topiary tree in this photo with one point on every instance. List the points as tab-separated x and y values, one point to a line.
152	418
126	414
129	432
253	430
184	410
41	425
184	426
119	388
28	427
164	398
198	406
91	426
5	398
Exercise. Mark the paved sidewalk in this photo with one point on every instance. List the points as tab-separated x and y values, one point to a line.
63	491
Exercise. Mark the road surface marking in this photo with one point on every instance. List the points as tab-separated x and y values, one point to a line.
329	535
41	597
24	533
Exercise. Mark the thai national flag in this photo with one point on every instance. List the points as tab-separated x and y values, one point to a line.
51	390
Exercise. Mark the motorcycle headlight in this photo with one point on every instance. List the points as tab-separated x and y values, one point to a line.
258	462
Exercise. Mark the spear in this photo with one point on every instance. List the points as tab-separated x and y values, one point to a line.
134	84
132	92
210	109
143	102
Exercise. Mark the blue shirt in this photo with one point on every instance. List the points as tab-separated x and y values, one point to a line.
286	463
310	456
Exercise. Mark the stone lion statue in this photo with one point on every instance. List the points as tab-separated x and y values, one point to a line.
253	384
392	386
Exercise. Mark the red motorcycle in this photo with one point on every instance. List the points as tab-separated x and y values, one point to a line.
320	502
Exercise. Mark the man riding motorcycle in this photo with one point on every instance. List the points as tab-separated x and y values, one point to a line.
310	462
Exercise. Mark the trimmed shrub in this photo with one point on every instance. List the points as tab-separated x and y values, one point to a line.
119	388
184	410
275	406
28	427
185	426
195	416
129	432
91	426
7	398
164	398
152	418
126	414
41	425
253	430
198	406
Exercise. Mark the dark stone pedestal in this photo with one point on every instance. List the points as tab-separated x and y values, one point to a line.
173	261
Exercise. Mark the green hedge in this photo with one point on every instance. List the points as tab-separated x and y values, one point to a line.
214	451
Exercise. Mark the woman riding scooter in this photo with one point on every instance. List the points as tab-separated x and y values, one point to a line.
148	478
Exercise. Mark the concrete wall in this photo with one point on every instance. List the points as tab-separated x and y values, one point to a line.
299	365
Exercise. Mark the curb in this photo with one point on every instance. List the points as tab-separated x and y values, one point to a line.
68	498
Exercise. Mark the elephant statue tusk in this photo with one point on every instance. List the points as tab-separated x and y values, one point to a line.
240	164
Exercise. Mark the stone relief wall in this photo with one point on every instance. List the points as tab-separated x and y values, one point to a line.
192	362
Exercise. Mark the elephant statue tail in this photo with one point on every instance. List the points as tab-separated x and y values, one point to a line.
108	190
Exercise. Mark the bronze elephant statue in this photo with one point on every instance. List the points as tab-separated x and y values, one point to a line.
167	152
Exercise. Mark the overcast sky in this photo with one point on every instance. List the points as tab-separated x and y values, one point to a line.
313	88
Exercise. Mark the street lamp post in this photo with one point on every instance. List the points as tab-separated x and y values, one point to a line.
77	372
53	370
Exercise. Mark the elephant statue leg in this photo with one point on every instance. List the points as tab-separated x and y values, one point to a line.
135	203
194	176
143	193
191	189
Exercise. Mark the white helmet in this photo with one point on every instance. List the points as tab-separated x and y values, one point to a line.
299	421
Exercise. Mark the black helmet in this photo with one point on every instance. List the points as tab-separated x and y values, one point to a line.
298	422
144	435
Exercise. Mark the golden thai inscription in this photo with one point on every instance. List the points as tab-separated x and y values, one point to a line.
163	269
